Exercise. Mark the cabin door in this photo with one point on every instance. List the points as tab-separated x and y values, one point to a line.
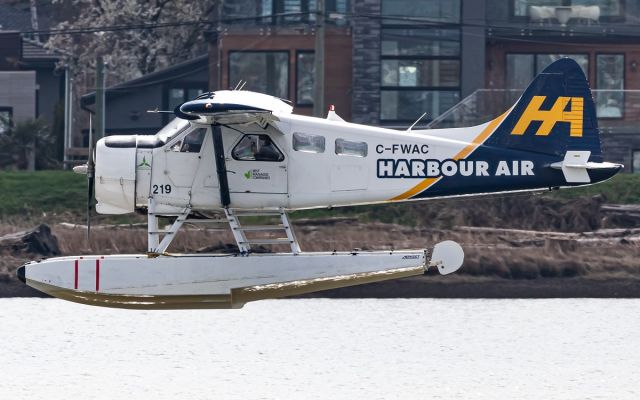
256	165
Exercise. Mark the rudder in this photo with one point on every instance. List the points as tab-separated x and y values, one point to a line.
555	114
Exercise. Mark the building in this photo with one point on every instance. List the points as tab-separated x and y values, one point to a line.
602	35
127	103
31	86
389	61
273	51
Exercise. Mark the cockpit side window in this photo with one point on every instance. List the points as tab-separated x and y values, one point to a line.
192	143
256	148
172	129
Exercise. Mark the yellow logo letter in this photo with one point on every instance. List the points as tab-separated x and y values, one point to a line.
549	118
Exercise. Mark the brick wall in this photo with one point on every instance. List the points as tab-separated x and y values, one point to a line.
338	63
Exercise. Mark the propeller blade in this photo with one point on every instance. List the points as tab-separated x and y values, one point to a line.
90	183
90	178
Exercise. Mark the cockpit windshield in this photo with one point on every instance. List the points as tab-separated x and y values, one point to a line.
172	129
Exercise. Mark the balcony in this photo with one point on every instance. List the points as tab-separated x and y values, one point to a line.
569	19
564	14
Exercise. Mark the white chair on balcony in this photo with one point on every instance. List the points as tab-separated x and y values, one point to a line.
586	14
541	14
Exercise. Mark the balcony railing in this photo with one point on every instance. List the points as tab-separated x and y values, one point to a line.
564	14
618	111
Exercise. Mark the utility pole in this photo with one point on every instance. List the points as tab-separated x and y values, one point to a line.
100	100
318	83
34	18
68	116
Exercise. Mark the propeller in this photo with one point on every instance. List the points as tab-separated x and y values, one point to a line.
88	169
91	175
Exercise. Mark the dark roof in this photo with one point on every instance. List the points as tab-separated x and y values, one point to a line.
14	19
32	49
168	74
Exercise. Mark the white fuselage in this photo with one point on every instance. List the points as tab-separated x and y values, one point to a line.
345	171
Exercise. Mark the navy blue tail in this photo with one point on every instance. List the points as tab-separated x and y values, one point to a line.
555	114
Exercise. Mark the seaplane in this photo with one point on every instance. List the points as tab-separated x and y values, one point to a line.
242	154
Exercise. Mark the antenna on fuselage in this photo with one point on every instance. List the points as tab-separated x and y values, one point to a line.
414	124
240	85
156	111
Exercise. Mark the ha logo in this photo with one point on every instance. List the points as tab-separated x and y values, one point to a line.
549	118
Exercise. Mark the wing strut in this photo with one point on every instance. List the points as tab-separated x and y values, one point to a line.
221	165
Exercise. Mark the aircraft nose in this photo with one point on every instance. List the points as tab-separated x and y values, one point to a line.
21	274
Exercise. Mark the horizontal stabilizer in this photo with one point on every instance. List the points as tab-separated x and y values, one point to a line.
574	166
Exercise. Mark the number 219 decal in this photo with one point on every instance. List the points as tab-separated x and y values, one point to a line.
161	189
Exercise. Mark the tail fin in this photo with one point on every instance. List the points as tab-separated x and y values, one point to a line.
555	114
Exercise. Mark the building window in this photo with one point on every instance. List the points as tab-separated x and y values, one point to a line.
178	95
610	84
434	10
422	42
281	11
6	119
421	73
522	68
420	68
409	105
305	73
579	11
264	71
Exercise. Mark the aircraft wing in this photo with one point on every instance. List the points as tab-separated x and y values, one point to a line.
233	107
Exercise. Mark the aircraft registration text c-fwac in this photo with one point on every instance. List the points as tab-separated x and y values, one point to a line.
389	168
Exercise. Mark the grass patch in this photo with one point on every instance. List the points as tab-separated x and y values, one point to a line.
56	192
35	193
621	189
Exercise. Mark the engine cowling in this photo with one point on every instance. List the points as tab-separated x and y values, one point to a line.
115	176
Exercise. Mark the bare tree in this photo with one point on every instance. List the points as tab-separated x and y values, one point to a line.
138	48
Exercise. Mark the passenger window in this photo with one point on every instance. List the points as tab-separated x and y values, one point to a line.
192	143
348	148
308	143
256	148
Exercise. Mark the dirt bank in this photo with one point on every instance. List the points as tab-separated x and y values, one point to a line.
527	246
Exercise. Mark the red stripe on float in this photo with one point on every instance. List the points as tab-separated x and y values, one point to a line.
97	275
75	279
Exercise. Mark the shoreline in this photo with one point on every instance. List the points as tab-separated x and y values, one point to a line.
464	287
451	287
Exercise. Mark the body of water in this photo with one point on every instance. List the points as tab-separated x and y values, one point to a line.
324	349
